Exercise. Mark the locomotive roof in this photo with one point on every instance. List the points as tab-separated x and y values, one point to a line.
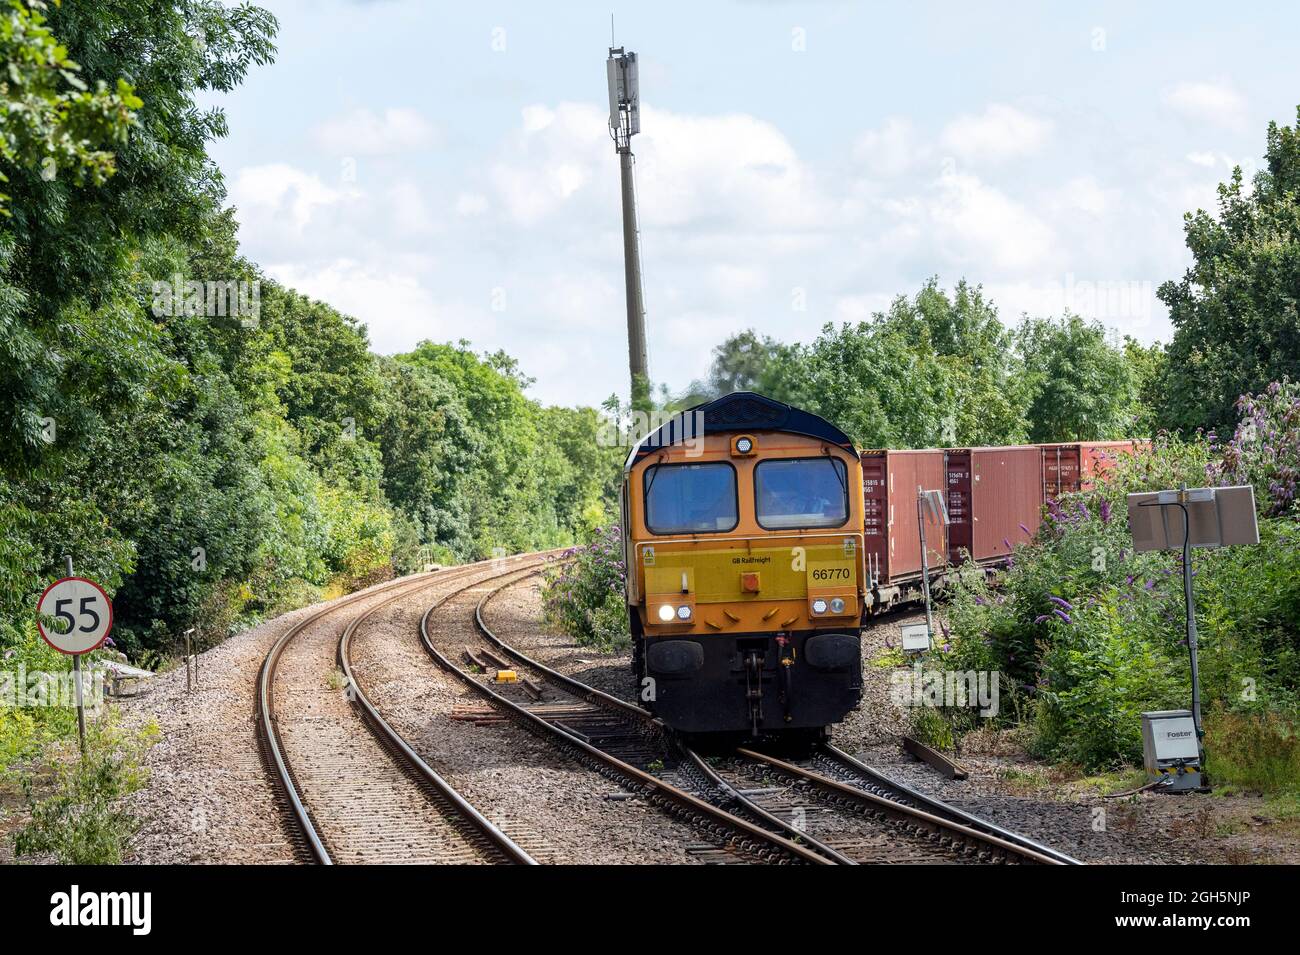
740	411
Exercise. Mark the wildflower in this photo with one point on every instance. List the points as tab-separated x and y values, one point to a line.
1040	618
1026	530
1063	615
1105	511
1061	602
1006	543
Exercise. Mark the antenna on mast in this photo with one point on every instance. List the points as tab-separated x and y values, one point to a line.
624	123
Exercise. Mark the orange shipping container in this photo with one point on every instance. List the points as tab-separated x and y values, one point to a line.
995	499
1076	466
891	480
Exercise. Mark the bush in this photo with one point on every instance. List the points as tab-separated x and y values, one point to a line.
83	820
1095	633
583	592
1253	751
1265	448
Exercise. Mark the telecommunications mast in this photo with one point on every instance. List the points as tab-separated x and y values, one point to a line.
624	123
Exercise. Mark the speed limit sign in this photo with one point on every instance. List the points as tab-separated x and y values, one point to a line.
84	611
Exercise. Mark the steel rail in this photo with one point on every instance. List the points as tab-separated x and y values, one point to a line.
395	744
744	803
908	815
903	792
272	746
600	698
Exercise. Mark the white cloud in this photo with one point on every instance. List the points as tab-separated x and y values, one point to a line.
282	192
471	204
1086	194
397	308
981	226
365	133
891	150
1217	103
521	249
1000	132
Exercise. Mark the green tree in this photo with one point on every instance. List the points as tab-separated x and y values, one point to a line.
1083	388
869	380
974	349
1236	324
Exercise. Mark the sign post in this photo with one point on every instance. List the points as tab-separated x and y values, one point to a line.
1181	520
88	615
931	503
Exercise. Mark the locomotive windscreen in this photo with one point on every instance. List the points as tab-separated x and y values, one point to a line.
690	498
801	492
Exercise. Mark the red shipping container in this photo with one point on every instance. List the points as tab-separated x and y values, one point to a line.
891	480
995	499
1076	466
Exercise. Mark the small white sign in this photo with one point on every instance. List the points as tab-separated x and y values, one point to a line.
84	611
916	636
1175	738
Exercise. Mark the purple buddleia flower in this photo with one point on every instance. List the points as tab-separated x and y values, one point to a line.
1006	543
1063	615
1061	602
1026	530
1105	511
1040	618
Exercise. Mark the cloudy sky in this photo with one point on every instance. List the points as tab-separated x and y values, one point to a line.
443	170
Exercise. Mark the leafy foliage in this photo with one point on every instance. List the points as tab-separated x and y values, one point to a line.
83	821
583	592
208	466
941	369
1082	386
1094	633
1265	448
1234	312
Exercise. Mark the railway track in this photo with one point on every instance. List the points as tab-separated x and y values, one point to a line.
831	806
868	818
353	789
829	803
620	741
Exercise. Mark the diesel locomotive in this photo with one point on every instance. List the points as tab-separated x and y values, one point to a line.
745	569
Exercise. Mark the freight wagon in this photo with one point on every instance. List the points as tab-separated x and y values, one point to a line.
1069	467
891	531
994	498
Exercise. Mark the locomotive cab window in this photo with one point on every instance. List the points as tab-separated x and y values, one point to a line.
690	498
801	492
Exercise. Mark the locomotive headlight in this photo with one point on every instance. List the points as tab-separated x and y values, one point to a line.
683	613
819	606
666	613
837	605
744	445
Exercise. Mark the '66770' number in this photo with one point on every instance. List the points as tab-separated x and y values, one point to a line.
832	573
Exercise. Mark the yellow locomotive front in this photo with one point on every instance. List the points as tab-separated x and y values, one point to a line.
744	557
